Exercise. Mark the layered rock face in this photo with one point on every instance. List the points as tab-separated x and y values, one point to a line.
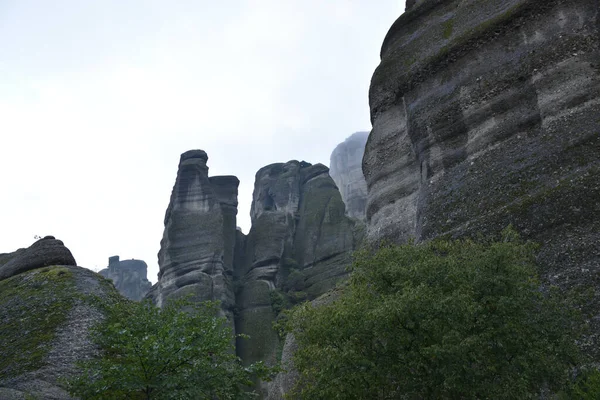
345	167
298	248
44	252
197	249
46	311
487	113
130	277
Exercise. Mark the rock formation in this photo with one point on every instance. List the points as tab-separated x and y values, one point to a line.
45	313
130	277
197	249
298	248
487	113
44	252
345	167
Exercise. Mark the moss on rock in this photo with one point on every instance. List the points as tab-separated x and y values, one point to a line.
32	307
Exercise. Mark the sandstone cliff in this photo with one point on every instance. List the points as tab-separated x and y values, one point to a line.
298	248
197	249
130	277
345	167
45	313
487	113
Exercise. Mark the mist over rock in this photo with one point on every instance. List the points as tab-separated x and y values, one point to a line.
44	252
130	277
345	167
485	114
47	307
197	248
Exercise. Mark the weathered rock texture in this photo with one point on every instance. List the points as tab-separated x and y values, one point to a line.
130	277
197	249
345	167
298	248
487	113
44	252
45	313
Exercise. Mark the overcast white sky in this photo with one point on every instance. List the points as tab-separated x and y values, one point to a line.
99	98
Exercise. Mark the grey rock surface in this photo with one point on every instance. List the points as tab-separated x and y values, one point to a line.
130	277
197	249
485	114
298	248
345	167
44	252
45	317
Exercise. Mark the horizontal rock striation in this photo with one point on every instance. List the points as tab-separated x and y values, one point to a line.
487	113
130	277
197	249
44	252
345	167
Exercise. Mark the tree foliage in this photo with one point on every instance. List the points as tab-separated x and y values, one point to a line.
168	353
441	320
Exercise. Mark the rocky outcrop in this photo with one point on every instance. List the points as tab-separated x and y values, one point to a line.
44	252
130	277
197	249
46	311
298	248
345	167
487	113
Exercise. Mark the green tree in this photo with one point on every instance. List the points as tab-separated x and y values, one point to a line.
441	320
151	353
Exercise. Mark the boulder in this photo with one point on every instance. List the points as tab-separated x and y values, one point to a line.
44	252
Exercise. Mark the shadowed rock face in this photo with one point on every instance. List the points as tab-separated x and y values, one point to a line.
299	246
197	249
130	277
345	167
487	113
44	252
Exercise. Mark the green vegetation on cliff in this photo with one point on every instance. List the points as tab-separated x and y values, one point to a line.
33	305
440	320
182	351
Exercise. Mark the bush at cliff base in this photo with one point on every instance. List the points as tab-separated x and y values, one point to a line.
151	353
440	320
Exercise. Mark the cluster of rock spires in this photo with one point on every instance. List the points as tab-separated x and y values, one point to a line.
130	277
298	247
484	114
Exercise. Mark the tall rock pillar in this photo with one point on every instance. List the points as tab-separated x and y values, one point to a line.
196	254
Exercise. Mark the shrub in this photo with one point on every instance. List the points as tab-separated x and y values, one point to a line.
440	320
